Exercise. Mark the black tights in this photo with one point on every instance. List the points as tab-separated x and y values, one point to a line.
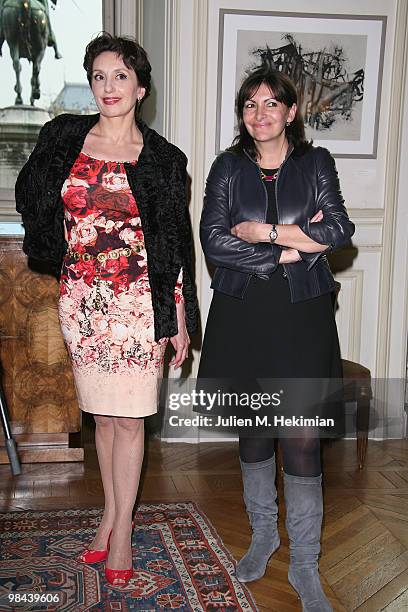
301	456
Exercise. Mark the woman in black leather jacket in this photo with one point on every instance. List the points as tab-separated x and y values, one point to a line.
273	209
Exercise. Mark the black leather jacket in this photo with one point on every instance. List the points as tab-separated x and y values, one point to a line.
235	192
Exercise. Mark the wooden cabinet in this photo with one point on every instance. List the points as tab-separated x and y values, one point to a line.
37	377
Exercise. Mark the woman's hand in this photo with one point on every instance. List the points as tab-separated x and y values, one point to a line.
289	256
292	255
252	231
317	217
181	340
255	231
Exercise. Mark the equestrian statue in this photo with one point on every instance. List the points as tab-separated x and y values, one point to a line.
26	26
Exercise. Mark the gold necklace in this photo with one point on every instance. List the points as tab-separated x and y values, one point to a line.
271	177
268	177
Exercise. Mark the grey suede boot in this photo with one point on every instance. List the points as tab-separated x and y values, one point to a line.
304	513
260	501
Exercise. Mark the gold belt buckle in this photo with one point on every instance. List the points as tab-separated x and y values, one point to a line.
102	257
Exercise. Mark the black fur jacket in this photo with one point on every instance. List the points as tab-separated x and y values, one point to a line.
157	182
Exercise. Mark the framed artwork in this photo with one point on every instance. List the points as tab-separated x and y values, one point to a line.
335	62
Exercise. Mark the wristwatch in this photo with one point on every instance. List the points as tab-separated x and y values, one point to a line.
273	234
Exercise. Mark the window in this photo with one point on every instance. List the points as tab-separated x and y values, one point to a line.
63	87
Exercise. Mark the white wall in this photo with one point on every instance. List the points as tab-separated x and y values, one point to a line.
372	317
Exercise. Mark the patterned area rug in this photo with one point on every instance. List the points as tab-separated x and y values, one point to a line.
179	561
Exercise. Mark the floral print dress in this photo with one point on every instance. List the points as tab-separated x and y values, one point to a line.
105	305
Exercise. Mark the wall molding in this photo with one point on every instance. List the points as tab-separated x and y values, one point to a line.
108	16
366	213
139	21
370	249
171	68
369	227
352	283
198	128
123	17
391	189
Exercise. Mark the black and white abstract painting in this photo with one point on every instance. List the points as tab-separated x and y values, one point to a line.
335	63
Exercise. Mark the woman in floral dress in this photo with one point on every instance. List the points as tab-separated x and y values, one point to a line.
105	298
103	201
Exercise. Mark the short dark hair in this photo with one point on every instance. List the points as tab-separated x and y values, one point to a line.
132	54
284	91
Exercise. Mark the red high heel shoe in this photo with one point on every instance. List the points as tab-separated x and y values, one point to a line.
119	577
94	556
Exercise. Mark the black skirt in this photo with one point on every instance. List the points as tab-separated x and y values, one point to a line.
264	335
265	344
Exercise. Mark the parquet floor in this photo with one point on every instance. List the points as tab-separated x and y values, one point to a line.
364	560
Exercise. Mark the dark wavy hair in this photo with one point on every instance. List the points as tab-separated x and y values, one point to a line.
283	91
132	54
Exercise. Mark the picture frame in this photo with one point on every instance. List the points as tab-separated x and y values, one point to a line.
336	62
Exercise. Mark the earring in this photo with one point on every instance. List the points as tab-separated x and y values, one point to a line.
288	124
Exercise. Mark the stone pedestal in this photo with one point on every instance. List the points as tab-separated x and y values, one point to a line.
19	128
